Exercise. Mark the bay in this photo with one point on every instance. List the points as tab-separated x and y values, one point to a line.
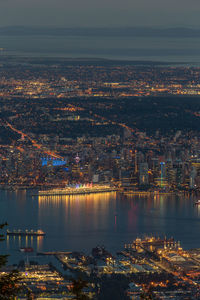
79	223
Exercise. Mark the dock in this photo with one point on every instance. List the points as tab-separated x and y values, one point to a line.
54	253
151	242
78	191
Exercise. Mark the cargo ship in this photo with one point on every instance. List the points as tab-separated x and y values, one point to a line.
25	233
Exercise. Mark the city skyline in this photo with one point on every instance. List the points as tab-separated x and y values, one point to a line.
100	149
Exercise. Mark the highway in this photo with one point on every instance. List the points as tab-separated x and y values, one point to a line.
34	143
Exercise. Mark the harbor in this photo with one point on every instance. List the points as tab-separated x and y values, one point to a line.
156	264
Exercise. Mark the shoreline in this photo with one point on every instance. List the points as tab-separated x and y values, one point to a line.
117	190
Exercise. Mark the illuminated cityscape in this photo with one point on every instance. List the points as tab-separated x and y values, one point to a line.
99	150
57	143
81	148
65	80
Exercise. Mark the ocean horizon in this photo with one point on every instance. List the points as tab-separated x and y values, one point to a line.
157	49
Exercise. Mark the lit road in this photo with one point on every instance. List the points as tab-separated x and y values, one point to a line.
34	143
175	273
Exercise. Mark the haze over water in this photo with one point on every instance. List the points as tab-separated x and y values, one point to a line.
164	49
79	223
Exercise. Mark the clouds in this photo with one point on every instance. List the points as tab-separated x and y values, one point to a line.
100	12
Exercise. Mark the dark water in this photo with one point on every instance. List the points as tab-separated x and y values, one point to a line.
82	222
125	48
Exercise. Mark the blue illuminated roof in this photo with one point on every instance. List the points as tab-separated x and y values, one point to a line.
56	162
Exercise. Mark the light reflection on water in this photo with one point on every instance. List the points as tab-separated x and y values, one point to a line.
17	242
83	221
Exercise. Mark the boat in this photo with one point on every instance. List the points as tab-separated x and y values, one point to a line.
26	249
25	233
197	202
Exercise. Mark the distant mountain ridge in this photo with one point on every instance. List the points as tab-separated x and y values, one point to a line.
120	31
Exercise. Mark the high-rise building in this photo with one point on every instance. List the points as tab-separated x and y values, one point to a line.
143	174
192	177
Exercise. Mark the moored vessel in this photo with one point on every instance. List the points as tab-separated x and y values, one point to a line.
25	233
26	249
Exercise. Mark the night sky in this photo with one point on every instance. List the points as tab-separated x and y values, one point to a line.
79	13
